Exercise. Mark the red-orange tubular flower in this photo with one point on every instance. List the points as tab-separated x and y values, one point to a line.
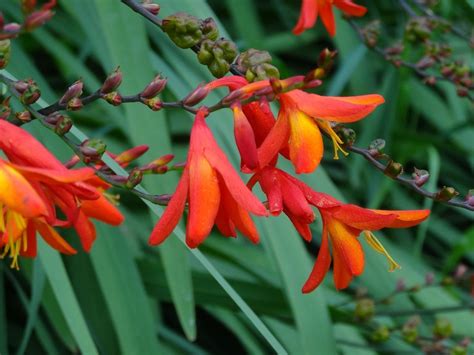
302	115
33	183
342	225
311	9
214	191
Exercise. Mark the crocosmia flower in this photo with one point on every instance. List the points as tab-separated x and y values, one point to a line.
301	118
214	191
311	9
342	225
34	184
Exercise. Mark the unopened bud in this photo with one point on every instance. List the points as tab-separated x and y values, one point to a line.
5	51
410	330
153	8
326	59
442	329
31	94
163	160
425	63
74	104
401	285
381	334
430	80
470	198
155	104
420	176
75	90
154	88
462	91
92	149
10	30
348	135
447	70
23	116
196	96
112	82
63	125
113	98
429	279
131	154
393	169
234	96
37	19
376	147
446	194
134	178
460	271
365	309
20	86
276	85
5	109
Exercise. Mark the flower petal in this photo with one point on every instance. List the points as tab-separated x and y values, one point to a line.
301	226
306	143
332	108
102	210
362	218
405	219
173	212
350	8
261	119
295	201
308	16
270	184
345	245
53	238
327	16
86	231
245	139
321	265
204	198
56	176
16	193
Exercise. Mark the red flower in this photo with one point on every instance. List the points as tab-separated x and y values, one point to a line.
302	116
215	193
310	9
33	183
342	224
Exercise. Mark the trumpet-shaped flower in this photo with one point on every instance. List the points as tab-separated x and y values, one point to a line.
311	9
33	184
214	191
301	118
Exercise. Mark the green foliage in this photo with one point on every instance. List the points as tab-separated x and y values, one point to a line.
125	297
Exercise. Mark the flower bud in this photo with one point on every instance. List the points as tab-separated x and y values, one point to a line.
442	329
401	285
131	154
326	60
23	116
393	169
420	176
209	29
5	51
196	96
410	330
430	80
154	88
92	149
113	98
74	104
458	350
347	135
31	94
447	70
134	178
37	19
381	334
155	104
153	8
20	86
365	309
112	82
446	194
63	125
183	29
161	161
10	30
74	91
376	147
470	198
462	91
5	110
460	271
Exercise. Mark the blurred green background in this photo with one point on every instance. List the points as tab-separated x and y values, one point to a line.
127	298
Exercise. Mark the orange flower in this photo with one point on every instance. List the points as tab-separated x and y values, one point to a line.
215	193
33	184
342	226
310	9
302	116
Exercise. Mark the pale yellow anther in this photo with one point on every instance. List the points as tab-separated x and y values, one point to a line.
378	247
336	140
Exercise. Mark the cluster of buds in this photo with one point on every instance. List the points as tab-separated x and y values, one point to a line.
256	65
371	33
92	150
217	55
461	75
28	90
32	19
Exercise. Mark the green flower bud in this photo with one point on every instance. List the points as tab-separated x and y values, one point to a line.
209	29
183	29
365	309
5	52
442	328
381	334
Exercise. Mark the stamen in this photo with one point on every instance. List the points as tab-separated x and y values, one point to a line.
336	140
378	247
